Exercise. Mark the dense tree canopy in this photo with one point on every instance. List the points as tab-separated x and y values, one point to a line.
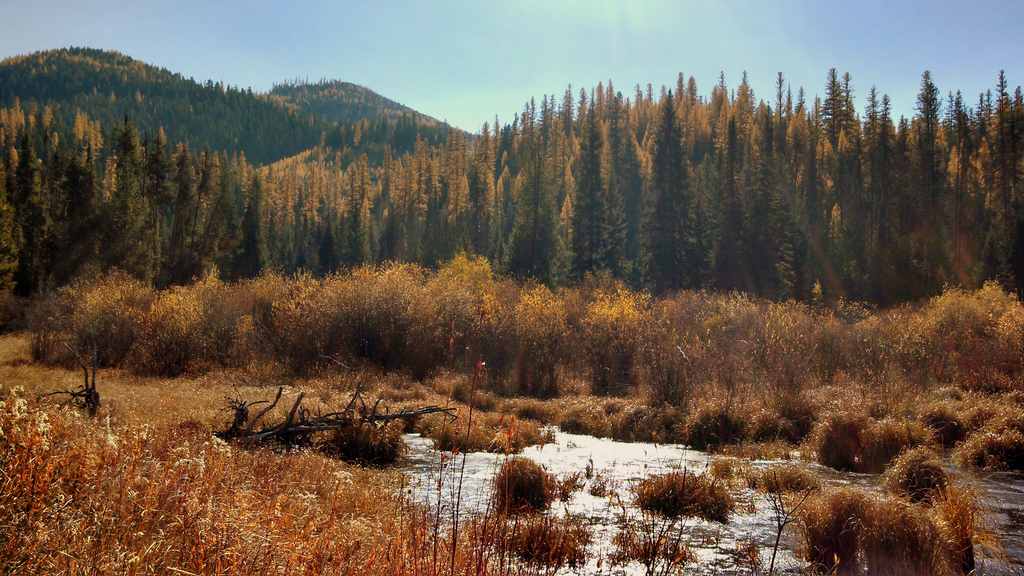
787	198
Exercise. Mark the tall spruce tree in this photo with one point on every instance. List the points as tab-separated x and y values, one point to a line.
8	236
590	213
668	226
252	255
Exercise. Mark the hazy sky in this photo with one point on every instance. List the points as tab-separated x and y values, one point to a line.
467	61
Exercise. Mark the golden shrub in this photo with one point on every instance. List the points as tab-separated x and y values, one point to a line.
540	330
611	336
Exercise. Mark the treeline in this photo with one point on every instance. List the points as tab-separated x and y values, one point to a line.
787	199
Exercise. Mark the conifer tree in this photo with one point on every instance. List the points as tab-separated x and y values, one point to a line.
668	226
729	259
590	217
182	263
615	185
252	255
32	223
8	236
129	231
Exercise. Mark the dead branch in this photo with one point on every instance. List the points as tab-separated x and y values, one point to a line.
87	396
300	424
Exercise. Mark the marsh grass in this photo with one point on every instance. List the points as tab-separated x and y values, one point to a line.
522	485
916	474
685	494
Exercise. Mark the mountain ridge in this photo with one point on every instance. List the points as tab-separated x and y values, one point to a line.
109	86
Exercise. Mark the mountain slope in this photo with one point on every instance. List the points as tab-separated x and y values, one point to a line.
338	101
108	86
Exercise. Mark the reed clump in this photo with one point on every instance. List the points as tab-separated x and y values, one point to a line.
685	494
522	485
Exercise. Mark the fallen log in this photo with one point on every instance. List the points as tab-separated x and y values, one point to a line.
299	424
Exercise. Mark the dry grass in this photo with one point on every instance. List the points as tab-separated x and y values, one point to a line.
685	494
522	485
993	450
487	432
154	499
549	542
916	474
859	443
714	425
783	479
946	372
846	531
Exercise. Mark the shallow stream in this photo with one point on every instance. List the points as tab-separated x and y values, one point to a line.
716	545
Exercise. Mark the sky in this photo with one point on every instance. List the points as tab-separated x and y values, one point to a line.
467	61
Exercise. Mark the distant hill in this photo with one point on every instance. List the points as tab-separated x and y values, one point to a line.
109	86
338	101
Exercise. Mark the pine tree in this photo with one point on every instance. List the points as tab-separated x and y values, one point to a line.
8	236
252	255
616	186
182	263
668	226
32	222
729	258
589	220
357	238
534	250
129	228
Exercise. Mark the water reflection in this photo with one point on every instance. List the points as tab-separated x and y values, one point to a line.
434	479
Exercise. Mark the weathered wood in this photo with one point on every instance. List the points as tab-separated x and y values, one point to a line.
87	396
298	425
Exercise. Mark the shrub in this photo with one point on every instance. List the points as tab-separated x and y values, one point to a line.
12	312
169	333
611	333
522	485
916	474
714	425
684	494
550	542
540	329
101	316
672	366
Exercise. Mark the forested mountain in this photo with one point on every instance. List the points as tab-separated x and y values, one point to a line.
338	101
789	197
109	86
